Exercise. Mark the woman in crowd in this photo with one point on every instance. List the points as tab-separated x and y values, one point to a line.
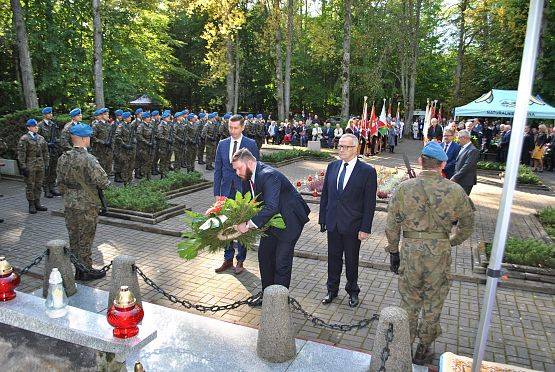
539	148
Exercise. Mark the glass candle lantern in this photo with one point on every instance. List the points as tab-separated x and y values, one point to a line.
56	301
125	314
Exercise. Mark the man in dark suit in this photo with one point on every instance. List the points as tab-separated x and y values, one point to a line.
527	146
504	144
452	150
227	183
466	164
278	195
347	209
435	131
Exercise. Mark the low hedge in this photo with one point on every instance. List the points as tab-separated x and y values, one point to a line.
490	165
527	176
529	252
148	195
547	219
282	155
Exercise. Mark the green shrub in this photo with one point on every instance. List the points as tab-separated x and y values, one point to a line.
282	155
489	165
136	198
173	181
527	176
529	252
547	219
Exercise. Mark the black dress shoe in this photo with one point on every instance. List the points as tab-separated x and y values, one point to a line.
353	300
329	298
89	275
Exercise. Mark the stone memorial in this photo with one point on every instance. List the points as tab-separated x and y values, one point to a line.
400	358
123	274
59	258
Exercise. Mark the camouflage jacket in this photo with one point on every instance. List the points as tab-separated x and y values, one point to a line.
261	129
224	130
210	131
249	130
65	137
429	203
125	135
165	133
32	153
51	133
190	133
145	134
79	176
102	135
180	130
199	125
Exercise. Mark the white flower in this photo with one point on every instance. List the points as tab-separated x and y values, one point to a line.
213	222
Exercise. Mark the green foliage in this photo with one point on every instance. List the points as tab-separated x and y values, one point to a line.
12	127
547	219
527	176
173	181
488	165
529	252
282	155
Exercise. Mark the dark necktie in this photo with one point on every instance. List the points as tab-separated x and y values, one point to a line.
252	188
234	148
342	178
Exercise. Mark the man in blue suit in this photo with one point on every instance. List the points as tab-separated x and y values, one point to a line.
347	210
227	183
452	150
278	195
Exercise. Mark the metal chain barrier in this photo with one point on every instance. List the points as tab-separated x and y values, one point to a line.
385	352
189	305
75	260
336	326
35	262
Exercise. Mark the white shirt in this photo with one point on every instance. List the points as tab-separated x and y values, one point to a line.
348	172
231	146
338	132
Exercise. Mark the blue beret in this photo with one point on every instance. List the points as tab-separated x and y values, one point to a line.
97	112
126	114
81	130
185	112
145	115
191	116
31	123
259	116
211	115
47	110
434	150
202	115
178	114
75	112
138	111
155	112
118	112
249	116
227	116
165	114
103	110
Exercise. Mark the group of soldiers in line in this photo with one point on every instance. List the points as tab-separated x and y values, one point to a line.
143	141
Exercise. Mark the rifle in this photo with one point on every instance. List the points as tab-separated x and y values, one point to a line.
410	171
103	202
111	134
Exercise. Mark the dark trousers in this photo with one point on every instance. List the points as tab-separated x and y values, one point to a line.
275	260
339	244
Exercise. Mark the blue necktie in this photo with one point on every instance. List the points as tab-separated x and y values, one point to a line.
342	178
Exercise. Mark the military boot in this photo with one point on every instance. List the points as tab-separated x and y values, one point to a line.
90	274
48	194
40	207
32	209
54	191
423	355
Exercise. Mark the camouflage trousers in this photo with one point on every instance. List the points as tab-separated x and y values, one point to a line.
179	156
190	153
210	152
81	228
165	159
33	183
105	158
117	161
424	282
259	141
50	174
200	151
144	161
155	157
125	163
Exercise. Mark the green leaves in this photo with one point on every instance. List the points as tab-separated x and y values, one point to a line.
530	252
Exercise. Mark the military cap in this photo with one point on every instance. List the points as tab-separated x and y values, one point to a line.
185	112
249	116
191	116
81	130
165	114
259	116
76	111
202	115
178	114
145	115
138	111
227	116
433	150
126	114
100	111
118	112
155	112
211	115
31	123
47	110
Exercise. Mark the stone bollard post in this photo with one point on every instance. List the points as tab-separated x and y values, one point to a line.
276	338
400	358
58	258
123	274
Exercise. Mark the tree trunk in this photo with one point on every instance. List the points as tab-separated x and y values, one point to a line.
279	64
27	79
346	62
288	47
97	55
230	84
415	15
236	92
460	53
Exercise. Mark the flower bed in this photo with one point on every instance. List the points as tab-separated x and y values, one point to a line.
527	252
292	155
547	219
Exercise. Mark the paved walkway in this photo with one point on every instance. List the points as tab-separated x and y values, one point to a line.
523	322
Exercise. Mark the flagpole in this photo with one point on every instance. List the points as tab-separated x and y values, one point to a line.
526	80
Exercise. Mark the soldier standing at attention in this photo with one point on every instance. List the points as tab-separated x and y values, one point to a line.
80	176
249	127
145	146
125	144
117	162
155	120
199	138
179	141
224	130
210	135
260	131
51	133
102	139
65	139
135	123
425	209
32	155
190	142
164	139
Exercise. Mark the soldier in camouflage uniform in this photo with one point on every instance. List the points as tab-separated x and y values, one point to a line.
190	142
3	147
199	139
125	144
433	214
210	135
164	138
224	128
249	130
179	141
80	176
155	121
65	139
32	155
117	162
135	123
145	145
102	139
51	133
260	131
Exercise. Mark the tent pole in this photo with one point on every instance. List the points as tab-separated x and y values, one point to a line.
527	68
